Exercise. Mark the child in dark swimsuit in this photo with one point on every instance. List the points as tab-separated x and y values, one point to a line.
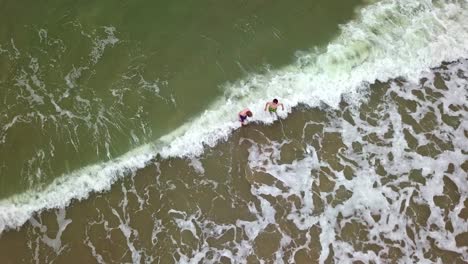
244	114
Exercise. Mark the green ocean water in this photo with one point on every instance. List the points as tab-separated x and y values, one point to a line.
81	83
120	143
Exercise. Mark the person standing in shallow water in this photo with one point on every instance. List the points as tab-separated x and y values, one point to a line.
243	116
273	106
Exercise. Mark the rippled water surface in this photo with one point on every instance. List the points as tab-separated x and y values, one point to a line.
119	138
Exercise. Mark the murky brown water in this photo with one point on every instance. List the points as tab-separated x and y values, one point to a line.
379	180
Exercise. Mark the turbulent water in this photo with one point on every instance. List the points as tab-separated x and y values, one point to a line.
367	163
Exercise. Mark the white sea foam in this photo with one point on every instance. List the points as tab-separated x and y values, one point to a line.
42	235
101	44
389	39
393	199
15	211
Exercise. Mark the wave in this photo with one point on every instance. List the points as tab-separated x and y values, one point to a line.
388	39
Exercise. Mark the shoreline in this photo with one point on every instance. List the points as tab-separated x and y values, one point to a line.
47	196
350	62
314	187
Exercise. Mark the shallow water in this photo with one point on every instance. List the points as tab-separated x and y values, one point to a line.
94	81
379	180
367	163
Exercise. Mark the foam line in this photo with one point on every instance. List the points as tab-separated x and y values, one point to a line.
389	39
